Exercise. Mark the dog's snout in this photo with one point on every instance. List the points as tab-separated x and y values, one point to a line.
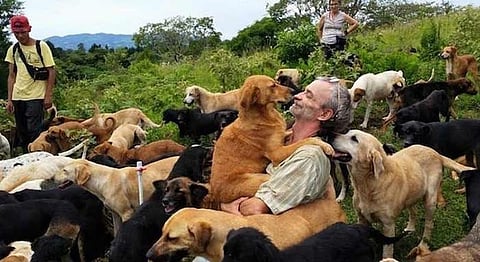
165	201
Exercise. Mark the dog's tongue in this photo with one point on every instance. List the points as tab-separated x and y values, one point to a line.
169	209
342	156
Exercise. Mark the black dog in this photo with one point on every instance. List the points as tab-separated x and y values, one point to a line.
451	139
193	123
338	242
193	163
472	190
285	80
50	248
427	110
140	232
414	93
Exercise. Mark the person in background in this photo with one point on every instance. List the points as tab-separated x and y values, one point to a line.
27	97
323	107
331	29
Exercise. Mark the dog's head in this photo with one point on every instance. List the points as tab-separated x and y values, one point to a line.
101	149
249	244
413	132
463	86
360	149
398	82
225	117
356	94
50	248
262	91
180	192
178	116
78	171
192	94
448	52
180	232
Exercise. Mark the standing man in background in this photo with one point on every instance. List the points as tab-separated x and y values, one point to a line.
28	94
330	29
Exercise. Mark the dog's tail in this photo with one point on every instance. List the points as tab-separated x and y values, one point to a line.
431	75
449	163
146	122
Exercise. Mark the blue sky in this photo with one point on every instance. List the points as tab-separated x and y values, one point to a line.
65	17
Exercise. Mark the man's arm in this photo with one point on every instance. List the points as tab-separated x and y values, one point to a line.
10	82
48	100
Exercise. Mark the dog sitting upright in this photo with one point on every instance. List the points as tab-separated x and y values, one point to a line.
457	66
372	87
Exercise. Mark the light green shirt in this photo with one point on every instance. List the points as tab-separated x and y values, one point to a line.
299	179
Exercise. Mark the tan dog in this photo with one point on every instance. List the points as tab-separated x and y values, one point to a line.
253	140
210	102
203	231
466	250
125	136
116	188
457	66
291	72
385	185
22	252
54	142
146	153
131	115
41	169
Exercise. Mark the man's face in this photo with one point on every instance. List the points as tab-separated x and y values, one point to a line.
308	104
22	37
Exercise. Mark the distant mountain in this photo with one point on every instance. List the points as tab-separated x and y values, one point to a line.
72	41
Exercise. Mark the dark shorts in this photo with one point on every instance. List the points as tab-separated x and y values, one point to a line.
28	121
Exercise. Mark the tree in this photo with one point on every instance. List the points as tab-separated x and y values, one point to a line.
262	34
7	9
177	37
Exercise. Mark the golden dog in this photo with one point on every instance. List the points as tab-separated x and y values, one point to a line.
54	141
253	140
385	185
210	102
125	136
457	66
116	188
131	115
146	153
203	231
466	250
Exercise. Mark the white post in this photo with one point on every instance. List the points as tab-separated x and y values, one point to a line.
139	179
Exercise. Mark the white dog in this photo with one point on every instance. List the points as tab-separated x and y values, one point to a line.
4	147
374	87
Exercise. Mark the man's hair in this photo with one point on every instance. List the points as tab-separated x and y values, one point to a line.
340	102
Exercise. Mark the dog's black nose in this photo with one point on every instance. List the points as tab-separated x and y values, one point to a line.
165	202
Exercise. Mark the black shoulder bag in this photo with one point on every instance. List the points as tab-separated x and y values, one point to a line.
37	73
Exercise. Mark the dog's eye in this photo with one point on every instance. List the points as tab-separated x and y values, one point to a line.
354	138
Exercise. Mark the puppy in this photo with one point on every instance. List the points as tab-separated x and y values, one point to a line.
210	102
372	87
293	73
457	66
192	164
337	243
126	135
200	232
467	249
287	81
254	139
398	181
51	248
146	153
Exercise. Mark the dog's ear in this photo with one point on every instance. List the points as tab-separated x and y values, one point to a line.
198	192
377	162
160	185
249	96
82	174
201	232
358	94
420	250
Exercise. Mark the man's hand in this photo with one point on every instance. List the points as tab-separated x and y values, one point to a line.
253	206
234	206
9	107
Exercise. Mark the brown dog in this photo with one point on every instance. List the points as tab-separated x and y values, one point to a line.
126	135
457	66
54	141
385	185
467	249
146	153
210	102
203	231
131	115
117	188
253	140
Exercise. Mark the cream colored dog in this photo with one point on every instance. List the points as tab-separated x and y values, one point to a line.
385	185
22	252
291	72
203	231
41	169
372	87
124	136
130	115
210	102
116	188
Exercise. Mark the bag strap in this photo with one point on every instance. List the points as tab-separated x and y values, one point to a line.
39	51
22	56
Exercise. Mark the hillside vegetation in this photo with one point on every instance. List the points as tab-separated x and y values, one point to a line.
154	87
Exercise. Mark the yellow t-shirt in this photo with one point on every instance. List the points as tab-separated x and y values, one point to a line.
25	88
